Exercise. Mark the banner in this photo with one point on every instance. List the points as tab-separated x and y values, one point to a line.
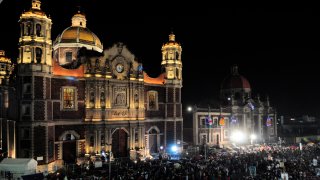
222	121
269	121
209	121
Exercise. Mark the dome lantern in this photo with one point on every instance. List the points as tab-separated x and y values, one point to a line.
36	4
79	20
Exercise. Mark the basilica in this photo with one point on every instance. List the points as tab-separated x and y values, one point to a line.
240	118
72	98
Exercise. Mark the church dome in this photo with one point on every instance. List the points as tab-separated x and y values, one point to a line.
79	34
235	81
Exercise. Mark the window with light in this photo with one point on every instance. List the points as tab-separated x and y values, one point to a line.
69	98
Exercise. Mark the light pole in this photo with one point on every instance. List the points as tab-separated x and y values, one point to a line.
110	165
110	153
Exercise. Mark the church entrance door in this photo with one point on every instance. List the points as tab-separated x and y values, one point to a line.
119	144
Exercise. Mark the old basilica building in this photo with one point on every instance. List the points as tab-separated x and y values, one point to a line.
73	98
240	118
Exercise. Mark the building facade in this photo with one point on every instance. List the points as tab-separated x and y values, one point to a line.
239	118
7	120
75	98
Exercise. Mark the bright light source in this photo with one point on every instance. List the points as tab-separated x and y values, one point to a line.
174	148
253	136
189	109
229	99
103	154
161	147
238	136
292	119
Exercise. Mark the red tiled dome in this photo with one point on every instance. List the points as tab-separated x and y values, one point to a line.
235	81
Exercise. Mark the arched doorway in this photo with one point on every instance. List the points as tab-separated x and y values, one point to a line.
69	146
154	139
119	143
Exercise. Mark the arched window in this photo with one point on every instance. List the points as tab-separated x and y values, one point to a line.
152	100
28	29
177	55
38	54
153	131
38	30
68	137
69	98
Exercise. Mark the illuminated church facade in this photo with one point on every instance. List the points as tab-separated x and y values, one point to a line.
74	98
239	118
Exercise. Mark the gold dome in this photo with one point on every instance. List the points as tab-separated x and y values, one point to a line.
77	34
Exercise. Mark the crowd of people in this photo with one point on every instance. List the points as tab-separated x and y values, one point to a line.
264	162
273	162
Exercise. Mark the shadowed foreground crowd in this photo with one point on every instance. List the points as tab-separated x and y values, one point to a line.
271	163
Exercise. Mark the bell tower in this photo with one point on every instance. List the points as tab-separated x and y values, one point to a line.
34	87
171	61
35	45
172	68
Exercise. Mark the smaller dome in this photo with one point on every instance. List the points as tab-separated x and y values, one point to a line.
235	80
172	41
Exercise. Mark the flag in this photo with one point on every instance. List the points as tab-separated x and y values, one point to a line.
269	122
222	121
209	121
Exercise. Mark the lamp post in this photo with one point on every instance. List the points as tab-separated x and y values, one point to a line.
110	165
110	153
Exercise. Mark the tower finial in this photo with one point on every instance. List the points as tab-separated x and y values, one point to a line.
172	37
36	4
79	9
234	70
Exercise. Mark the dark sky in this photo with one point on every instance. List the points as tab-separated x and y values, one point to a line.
276	49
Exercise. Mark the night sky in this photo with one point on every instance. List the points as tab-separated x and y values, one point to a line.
275	49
